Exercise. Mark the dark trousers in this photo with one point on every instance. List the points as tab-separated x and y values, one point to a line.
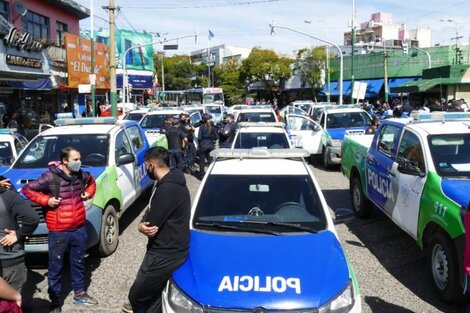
145	295
204	154
15	275
74	243
190	154
177	159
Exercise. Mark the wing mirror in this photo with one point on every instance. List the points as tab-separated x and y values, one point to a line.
343	216
409	168
126	159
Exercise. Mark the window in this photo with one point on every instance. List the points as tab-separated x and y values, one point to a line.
37	25
122	145
387	137
61	30
5	10
269	140
135	136
411	150
451	154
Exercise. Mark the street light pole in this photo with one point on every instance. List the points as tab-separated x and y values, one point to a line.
92	72
125	77
427	54
456	38
326	41
353	40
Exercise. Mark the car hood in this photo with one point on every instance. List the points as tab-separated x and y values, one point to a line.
339	133
19	177
457	190
273	272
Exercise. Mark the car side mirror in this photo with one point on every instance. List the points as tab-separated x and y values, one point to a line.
409	168
126	159
343	216
316	127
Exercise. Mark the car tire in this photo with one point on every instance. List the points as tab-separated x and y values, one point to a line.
109	234
326	163
444	268
362	207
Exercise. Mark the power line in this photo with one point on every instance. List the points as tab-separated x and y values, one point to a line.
201	6
440	10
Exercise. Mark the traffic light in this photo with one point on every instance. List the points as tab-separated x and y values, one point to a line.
405	48
459	54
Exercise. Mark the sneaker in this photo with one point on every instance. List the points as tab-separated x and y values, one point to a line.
84	299
127	308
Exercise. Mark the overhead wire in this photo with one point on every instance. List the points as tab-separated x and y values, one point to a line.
201	6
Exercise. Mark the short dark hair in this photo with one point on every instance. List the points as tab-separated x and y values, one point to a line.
65	152
159	154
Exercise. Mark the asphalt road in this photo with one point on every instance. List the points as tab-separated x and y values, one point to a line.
390	268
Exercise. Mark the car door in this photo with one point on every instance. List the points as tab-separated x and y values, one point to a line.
141	180
126	173
411	186
304	132
195	118
381	182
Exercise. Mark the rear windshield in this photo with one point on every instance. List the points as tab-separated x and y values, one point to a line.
269	140
256	117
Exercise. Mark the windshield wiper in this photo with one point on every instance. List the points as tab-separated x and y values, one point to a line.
287	225
238	229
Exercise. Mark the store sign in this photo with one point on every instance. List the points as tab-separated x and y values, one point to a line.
22	41
23	61
79	62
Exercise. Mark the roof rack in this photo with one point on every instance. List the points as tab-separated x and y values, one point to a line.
85	121
259	153
262	124
440	116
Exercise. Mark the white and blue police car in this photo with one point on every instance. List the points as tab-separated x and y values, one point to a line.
263	240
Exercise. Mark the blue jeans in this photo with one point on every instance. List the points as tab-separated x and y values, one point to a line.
73	243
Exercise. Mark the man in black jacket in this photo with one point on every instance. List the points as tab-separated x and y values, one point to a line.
166	224
17	221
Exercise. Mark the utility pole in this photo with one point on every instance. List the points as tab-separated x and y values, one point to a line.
385	74
112	57
93	72
353	39
163	72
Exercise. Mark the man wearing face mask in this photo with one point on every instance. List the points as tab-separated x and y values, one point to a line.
62	191
166	225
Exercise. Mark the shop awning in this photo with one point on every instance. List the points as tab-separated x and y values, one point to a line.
424	85
40	84
334	88
373	87
398	82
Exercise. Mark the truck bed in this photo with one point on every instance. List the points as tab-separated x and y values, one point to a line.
354	152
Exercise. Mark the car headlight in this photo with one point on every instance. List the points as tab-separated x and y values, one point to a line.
342	303
180	302
334	142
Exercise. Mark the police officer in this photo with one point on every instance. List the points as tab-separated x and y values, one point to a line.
207	137
227	132
190	149
176	142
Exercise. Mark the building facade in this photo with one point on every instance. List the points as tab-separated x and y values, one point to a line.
220	55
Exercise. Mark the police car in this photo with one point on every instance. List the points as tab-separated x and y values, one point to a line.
338	121
256	114
304	133
11	144
137	114
155	119
262	240
113	151
269	135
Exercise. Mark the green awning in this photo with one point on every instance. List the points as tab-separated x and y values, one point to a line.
424	85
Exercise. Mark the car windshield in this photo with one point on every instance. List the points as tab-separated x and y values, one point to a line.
260	202
6	153
246	140
451	154
214	109
154	120
348	119
94	149
256	117
133	116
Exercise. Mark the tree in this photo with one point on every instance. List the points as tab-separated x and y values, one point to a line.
310	64
227	76
178	71
265	66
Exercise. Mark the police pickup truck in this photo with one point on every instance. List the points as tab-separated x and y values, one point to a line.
417	171
113	151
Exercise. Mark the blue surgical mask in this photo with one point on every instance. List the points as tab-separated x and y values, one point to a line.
74	166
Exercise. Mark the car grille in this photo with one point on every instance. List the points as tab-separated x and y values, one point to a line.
39	210
258	310
36	240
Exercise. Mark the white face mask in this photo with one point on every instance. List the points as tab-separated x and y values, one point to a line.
74	166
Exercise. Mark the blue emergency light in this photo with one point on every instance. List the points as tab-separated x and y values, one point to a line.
85	121
6	130
441	116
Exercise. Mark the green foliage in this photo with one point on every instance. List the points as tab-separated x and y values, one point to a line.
311	65
178	71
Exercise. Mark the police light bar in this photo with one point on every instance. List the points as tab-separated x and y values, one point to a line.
440	116
262	124
259	153
85	121
7	130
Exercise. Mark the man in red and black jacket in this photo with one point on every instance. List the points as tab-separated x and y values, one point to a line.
62	190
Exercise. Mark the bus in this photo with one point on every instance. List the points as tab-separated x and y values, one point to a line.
173	97
198	96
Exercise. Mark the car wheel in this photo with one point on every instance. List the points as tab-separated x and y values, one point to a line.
362	207
326	162
109	235
443	265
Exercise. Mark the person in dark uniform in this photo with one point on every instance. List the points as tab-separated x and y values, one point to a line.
227	132
206	138
167	125
190	151
176	142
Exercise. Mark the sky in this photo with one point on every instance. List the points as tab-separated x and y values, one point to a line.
245	23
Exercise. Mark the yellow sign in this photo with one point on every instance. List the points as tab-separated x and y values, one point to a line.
79	62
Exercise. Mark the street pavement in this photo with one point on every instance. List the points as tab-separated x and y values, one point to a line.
390	267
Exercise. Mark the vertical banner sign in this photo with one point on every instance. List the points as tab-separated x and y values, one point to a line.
79	62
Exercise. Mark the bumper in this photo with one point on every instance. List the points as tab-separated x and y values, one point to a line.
334	155
38	241
357	308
